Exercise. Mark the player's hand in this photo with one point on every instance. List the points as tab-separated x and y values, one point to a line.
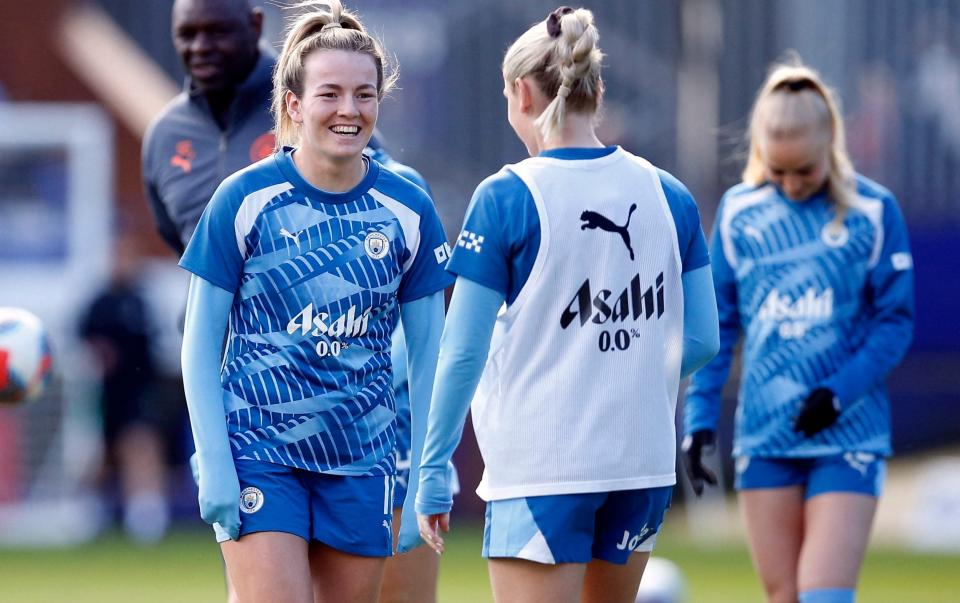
694	445
220	493
430	527
819	411
408	538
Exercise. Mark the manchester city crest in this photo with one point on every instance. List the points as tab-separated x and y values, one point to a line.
377	245
834	235
251	499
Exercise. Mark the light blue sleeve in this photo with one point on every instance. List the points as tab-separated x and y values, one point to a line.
398	358
701	407
463	353
500	239
686	218
213	252
426	274
701	331
208	308
422	321
889	305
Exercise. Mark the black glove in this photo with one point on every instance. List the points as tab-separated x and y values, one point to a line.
819	411
693	447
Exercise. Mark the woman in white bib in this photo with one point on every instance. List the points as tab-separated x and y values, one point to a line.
569	331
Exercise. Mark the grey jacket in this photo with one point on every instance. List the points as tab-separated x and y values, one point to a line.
186	155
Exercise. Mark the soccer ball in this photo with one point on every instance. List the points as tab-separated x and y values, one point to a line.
25	360
662	583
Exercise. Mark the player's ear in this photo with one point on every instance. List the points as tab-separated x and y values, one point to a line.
525	94
293	107
256	20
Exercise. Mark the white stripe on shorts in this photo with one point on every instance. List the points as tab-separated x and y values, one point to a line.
387	495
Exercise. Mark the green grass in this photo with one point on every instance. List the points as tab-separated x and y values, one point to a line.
724	574
187	568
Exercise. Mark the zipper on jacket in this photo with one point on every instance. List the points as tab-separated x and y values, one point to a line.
222	156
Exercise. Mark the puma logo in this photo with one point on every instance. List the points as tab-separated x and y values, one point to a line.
181	162
293	237
859	461
751	231
183	156
592	220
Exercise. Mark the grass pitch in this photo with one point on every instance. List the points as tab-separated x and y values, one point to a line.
186	568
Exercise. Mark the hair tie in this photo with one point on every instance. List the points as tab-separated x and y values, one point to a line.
796	85
564	91
553	21
331	25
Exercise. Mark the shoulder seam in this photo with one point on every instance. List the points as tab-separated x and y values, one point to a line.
739	202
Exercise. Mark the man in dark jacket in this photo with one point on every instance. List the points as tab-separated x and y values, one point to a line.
219	123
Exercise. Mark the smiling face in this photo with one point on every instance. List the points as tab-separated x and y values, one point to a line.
338	108
217	41
798	164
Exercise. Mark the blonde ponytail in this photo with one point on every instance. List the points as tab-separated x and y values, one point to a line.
562	55
792	101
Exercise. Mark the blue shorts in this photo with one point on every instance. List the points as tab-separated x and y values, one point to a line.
576	528
858	472
349	513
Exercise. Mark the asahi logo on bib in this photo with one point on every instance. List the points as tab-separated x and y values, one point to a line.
615	310
604	305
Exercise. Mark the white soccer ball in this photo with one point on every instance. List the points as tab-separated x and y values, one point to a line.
25	360
662	583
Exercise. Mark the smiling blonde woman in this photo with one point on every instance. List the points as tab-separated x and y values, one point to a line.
306	260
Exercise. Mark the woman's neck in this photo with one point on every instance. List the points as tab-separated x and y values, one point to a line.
577	131
328	175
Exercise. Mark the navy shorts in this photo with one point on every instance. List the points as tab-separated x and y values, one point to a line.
576	528
349	513
856	472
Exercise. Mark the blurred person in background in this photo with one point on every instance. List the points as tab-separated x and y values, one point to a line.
314	452
812	264
219	124
136	423
411	576
602	264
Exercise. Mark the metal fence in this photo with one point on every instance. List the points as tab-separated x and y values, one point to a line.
680	76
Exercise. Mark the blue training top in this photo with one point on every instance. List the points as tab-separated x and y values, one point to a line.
818	306
317	278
